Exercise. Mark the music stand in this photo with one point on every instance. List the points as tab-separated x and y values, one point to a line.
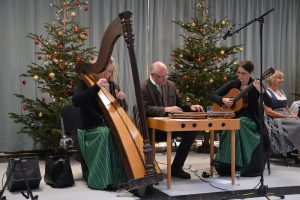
28	193
263	189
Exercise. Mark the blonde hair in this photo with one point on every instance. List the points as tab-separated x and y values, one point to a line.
114	73
270	80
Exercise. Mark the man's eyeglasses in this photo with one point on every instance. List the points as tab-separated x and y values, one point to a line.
161	77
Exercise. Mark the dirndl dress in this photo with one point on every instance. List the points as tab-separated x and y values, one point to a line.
102	158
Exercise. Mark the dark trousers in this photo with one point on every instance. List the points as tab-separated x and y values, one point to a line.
187	140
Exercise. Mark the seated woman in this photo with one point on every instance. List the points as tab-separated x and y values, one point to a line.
285	124
98	148
248	137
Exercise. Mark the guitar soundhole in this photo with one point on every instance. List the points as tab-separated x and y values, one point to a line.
223	124
182	125
209	124
194	125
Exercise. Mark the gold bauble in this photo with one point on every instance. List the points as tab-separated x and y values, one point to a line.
187	99
35	77
241	49
211	80
40	114
73	14
51	75
222	52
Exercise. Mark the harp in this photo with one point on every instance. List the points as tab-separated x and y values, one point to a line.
133	146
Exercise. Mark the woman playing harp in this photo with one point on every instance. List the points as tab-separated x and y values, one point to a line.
105	168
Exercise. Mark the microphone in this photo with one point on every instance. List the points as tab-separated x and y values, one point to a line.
227	34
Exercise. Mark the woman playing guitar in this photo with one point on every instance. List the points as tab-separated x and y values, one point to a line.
248	137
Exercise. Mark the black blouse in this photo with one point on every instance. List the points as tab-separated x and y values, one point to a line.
252	96
86	98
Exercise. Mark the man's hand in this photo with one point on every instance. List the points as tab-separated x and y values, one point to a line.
172	109
197	108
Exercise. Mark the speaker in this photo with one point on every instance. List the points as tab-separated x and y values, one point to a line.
16	181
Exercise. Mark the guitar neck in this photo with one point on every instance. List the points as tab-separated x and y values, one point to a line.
239	95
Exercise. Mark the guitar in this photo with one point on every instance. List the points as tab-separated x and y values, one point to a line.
237	95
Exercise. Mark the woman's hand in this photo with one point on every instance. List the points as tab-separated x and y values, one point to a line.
228	102
120	95
256	84
102	82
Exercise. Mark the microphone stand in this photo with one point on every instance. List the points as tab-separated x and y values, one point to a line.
263	189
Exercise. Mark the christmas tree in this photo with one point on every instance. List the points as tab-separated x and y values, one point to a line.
202	64
53	73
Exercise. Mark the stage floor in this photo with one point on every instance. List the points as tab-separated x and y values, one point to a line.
283	180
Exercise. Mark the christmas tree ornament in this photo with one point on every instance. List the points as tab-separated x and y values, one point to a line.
24	82
73	14
86	8
201	29
78	59
36	42
40	114
76	30
193	24
187	99
43	99
185	77
35	77
211	80
25	107
225	78
51	75
62	68
222	52
39	57
77	3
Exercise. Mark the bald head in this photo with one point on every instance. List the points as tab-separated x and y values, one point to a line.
159	72
159	67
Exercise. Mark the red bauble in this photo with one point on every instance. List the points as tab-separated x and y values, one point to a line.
78	59
193	55
85	33
36	42
65	92
77	3
39	57
86	8
60	45
25	107
43	99
71	83
76	30
23	82
185	77
225	78
62	68
201	29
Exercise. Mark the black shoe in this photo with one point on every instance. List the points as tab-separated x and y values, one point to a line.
297	160
180	173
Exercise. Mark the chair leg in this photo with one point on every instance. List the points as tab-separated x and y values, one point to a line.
268	163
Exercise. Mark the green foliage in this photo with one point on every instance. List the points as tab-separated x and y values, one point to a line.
202	65
53	73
